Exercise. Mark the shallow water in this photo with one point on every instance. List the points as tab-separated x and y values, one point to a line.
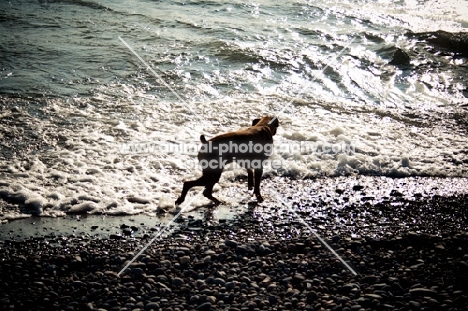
86	127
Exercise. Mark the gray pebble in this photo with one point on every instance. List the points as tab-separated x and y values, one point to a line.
178	282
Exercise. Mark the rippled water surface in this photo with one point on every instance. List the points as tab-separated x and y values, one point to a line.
86	125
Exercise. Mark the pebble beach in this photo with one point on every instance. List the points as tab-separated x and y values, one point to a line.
102	106
256	261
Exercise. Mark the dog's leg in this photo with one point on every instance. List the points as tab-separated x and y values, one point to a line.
187	186
202	181
212	177
250	182
208	179
258	179
208	194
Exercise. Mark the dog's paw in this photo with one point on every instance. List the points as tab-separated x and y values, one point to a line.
259	198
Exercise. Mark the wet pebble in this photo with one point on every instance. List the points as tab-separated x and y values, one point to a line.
243	272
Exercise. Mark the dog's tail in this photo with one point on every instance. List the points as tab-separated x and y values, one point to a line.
203	139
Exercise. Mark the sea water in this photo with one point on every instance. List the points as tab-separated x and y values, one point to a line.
103	102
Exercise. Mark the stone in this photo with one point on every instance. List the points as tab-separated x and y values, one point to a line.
204	306
230	285
138	272
219	281
152	306
230	243
184	260
423	292
51	269
178	282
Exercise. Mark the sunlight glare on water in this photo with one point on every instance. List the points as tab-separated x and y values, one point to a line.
74	96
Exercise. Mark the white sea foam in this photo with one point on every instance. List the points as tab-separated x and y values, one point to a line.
83	207
99	179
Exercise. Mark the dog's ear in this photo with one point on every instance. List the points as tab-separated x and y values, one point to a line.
255	121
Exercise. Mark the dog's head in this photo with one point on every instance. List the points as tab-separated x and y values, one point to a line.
271	122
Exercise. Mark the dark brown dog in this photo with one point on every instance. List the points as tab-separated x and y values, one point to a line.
248	147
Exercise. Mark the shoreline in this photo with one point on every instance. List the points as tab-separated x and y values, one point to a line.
374	206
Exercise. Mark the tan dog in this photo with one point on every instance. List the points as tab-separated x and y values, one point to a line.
249	148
